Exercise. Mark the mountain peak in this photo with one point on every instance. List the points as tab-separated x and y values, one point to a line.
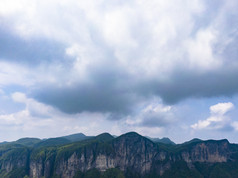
131	134
133	137
28	141
164	140
104	137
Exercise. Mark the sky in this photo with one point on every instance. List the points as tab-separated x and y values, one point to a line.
159	68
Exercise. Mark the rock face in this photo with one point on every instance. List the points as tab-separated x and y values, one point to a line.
130	151
127	151
134	152
211	152
14	158
41	162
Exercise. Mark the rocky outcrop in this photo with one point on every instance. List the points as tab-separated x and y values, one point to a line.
211	152
135	152
36	168
129	151
41	163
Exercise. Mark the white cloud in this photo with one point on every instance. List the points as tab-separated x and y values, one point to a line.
235	125
217	119
153	115
19	97
200	50
148	28
11	74
221	108
116	27
33	108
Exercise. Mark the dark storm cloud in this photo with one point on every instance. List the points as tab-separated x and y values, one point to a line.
86	98
30	51
185	85
111	92
101	94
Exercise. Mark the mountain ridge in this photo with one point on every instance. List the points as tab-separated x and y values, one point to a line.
81	136
130	155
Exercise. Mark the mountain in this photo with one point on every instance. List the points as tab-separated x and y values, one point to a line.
77	137
128	155
28	141
2	143
104	137
164	140
52	142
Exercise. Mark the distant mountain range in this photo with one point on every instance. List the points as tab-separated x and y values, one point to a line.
164	140
105	156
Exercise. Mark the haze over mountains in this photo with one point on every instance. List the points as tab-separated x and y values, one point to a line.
128	155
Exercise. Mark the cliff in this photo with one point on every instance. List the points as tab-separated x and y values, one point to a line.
130	153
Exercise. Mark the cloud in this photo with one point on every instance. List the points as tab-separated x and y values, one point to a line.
41	120
14	74
19	97
102	93
221	108
33	51
235	125
33	108
154	115
200	51
110	57
217	119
